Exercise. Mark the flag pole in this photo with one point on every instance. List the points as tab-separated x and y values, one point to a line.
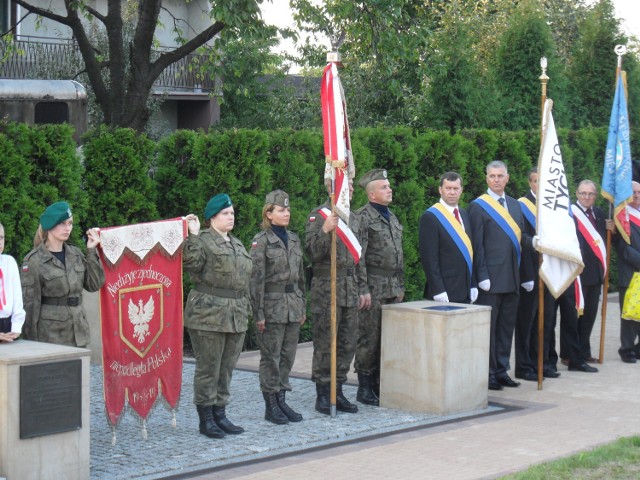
333	57
619	50
544	79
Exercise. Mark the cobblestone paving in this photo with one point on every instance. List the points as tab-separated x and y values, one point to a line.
171	451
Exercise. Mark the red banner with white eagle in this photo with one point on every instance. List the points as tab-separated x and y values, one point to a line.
141	315
337	142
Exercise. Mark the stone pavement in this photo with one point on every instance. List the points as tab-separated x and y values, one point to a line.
575	412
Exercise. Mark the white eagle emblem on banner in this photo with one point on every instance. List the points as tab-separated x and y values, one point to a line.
140	316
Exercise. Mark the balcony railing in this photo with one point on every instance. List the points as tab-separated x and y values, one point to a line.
44	58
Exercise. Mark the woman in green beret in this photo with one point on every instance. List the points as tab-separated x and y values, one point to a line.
278	301
217	310
53	276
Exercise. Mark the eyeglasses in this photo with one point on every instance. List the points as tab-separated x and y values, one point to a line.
587	194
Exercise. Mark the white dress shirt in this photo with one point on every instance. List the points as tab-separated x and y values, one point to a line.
12	293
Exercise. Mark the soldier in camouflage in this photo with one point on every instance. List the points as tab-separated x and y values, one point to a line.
278	297
382	265
53	276
318	249
217	310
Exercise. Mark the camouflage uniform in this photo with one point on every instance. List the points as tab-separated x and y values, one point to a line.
382	265
52	294
318	249
216	312
278	298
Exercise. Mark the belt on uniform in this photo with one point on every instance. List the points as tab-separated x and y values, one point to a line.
383	272
275	288
340	272
62	301
220	292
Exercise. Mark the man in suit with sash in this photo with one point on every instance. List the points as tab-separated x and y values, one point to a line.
591	226
445	246
497	226
628	264
525	330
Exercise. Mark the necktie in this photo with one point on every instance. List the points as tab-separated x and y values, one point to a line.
501	201
591	216
455	214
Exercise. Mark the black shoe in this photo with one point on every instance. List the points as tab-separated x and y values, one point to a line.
582	367
342	404
366	394
323	405
208	426
493	383
506	381
591	360
528	376
629	358
564	361
549	373
290	413
220	417
272	412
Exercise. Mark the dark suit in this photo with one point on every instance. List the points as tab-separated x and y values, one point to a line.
495	258
628	263
526	326
443	263
591	278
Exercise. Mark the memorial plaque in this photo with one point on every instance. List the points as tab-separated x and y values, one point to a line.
50	398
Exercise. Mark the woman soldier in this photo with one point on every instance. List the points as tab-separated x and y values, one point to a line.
53	276
217	310
278	301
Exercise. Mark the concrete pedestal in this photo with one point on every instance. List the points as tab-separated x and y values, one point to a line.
52	456
434	357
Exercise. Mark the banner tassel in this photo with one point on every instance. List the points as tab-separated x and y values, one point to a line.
174	422
144	429
113	436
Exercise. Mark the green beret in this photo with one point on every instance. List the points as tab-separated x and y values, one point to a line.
217	203
55	214
371	175
277	197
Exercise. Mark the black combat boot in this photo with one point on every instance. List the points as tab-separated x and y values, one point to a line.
323	404
220	417
272	412
342	404
291	414
208	426
365	391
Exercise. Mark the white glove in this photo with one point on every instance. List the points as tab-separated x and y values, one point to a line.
485	285
528	286
535	242
441	297
473	293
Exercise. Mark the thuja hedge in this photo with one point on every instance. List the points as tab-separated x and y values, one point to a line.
119	177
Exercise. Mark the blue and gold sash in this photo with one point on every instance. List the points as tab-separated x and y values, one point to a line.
455	231
501	216
529	210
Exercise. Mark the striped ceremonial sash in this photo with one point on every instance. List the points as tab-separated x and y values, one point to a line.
577	285
504	220
634	216
455	231
591	235
529	211
346	235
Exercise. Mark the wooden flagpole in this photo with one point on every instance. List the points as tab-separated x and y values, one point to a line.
544	79
620	50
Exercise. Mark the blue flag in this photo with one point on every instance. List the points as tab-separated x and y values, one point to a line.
616	178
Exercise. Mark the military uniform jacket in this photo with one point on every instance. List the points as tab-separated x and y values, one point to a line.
277	280
215	264
382	260
43	275
318	249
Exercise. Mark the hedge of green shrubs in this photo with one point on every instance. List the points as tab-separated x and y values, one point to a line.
119	177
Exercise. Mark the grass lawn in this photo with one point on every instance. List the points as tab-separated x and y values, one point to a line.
615	461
